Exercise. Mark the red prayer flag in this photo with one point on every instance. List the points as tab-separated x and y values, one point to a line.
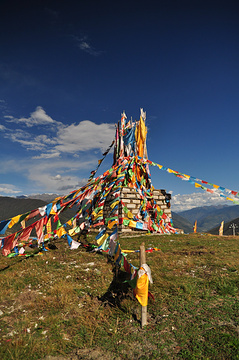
127	266
8	244
39	229
24	236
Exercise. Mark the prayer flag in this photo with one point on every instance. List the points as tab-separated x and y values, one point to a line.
221	228
195	227
141	289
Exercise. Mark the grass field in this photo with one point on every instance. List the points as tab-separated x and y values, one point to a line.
68	304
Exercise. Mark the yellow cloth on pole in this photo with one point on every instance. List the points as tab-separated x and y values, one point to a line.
141	290
195	227
221	228
140	136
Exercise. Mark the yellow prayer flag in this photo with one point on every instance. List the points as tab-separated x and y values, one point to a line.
130	215
170	170
102	239
221	228
141	290
72	232
48	226
140	136
23	223
132	224
195	227
100	213
117	253
93	214
14	220
76	193
60	232
53	211
114	204
112	223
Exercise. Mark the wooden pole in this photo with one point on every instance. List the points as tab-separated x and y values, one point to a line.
143	308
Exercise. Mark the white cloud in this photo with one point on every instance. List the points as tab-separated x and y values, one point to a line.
190	201
59	175
72	138
2	128
50	155
45	175
84	45
85	136
37	117
58	162
8	189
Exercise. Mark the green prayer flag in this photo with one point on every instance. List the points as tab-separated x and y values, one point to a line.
126	222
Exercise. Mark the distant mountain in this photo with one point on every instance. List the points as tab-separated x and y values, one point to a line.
181	223
209	217
227	230
45	197
10	207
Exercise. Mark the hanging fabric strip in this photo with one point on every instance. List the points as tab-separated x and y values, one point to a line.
218	190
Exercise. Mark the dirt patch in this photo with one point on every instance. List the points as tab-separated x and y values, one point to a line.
84	354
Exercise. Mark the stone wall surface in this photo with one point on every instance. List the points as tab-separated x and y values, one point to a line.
131	198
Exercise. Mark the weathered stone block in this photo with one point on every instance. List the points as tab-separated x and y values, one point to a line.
126	201
136	201
131	206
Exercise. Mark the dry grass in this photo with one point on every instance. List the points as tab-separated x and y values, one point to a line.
69	304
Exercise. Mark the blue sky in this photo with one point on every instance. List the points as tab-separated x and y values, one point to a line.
68	69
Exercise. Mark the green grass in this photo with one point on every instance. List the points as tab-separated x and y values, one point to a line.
69	304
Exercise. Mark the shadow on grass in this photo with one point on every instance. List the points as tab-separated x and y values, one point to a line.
118	290
16	263
35	252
